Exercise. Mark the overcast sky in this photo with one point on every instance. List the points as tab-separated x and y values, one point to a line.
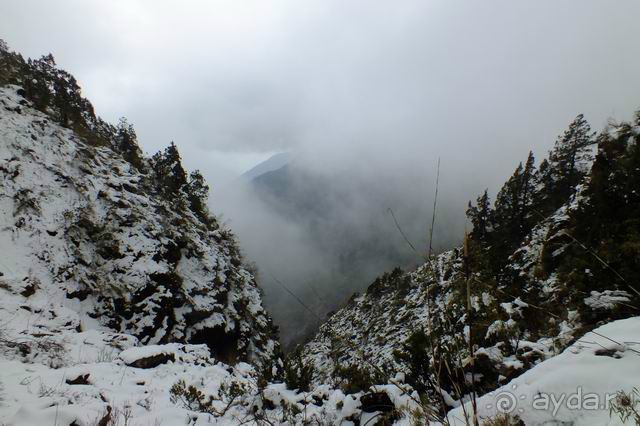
233	81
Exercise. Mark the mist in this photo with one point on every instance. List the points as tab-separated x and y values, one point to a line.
366	96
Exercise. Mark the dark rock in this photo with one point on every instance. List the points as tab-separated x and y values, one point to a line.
317	400
29	290
613	353
268	404
376	401
152	361
80	294
82	379
106	420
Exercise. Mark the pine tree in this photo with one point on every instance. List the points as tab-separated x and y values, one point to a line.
67	99
126	142
566	167
50	87
39	79
543	181
508	202
608	224
168	169
197	194
481	217
11	65
513	217
527	193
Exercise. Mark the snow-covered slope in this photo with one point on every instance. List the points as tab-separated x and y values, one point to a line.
89	243
102	378
577	387
460	325
102	385
513	331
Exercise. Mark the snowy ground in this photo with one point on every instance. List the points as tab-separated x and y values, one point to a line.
94	376
88	392
575	387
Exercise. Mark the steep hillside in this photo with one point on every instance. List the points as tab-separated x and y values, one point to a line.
106	238
557	255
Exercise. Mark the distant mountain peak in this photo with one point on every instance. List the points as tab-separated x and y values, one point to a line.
275	162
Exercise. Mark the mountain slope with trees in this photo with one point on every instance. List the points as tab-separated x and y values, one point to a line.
556	255
126	239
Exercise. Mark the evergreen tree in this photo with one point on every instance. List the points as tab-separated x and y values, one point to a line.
126	142
566	167
609	225
508	202
50	87
191	191
527	193
481	217
39	80
197	194
67	99
168	169
543	181
11	65
513	215
54	92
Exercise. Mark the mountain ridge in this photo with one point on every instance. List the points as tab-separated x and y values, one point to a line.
275	162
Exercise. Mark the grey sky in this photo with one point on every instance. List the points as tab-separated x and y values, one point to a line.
492	78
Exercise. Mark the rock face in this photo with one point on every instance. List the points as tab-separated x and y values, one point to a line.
100	233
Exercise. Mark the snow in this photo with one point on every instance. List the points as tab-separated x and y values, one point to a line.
562	389
607	299
66	202
36	394
179	351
